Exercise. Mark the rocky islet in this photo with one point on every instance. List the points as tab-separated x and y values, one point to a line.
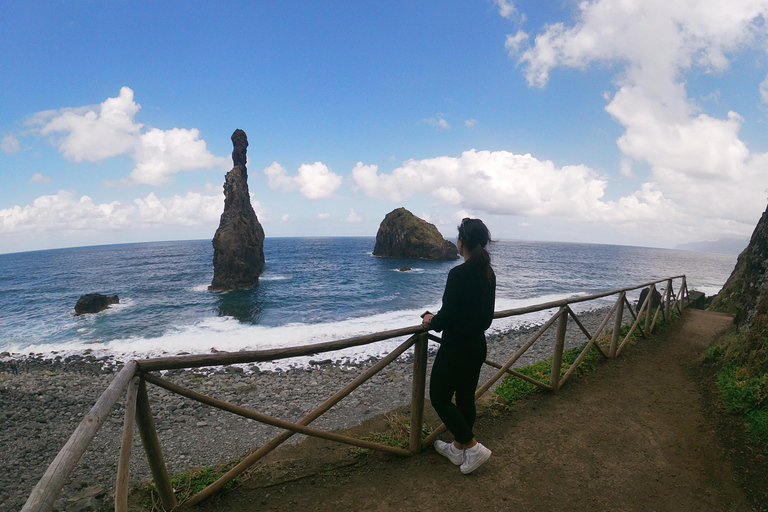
403	235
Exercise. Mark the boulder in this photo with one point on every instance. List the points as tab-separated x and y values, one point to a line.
238	245
403	235
94	302
655	300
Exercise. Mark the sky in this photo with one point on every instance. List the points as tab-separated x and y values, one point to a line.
631	122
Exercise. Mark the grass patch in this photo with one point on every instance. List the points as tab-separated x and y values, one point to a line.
513	388
188	483
398	433
743	380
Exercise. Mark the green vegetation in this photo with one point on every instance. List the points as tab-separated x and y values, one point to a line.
513	388
742	376
742	358
188	483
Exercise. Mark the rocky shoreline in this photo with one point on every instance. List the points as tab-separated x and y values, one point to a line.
42	400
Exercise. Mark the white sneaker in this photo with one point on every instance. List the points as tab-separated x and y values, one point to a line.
474	457
449	451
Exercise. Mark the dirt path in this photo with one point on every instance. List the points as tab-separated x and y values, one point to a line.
631	436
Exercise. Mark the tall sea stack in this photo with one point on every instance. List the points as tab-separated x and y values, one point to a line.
238	245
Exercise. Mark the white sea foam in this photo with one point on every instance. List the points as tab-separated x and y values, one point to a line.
709	290
229	335
274	277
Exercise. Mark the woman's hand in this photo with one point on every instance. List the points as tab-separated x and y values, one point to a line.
427	318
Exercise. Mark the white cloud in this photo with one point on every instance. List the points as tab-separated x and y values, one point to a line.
323	215
492	181
625	168
504	183
314	181
353	216
469	123
191	209
695	159
764	90
506	8
10	145
103	132
657	38
278	178
160	154
64	212
514	43
109	129
373	184
437	122
39	178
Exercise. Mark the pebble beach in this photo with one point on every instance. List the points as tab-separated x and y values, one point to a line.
44	397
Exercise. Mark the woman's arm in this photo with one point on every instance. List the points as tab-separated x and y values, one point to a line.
449	313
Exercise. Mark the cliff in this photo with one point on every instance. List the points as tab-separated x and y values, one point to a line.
238	245
742	357
403	235
745	294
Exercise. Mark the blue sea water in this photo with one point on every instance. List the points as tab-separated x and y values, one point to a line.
312	289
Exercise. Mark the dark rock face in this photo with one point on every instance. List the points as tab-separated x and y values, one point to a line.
745	294
655	300
403	235
238	245
94	302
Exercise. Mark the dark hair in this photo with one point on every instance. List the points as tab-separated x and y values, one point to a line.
475	236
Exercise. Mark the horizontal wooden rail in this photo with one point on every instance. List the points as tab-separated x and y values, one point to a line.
137	408
256	356
269	420
573	300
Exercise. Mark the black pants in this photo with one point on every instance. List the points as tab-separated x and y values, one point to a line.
456	370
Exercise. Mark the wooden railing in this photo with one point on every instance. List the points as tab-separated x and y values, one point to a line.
135	375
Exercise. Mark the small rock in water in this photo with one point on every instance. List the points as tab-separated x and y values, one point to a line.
404	269
94	302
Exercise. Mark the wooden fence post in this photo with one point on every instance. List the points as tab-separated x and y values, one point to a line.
152	448
417	392
617	325
668	301
649	308
124	462
49	487
557	356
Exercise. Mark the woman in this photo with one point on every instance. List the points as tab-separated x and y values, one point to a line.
467	311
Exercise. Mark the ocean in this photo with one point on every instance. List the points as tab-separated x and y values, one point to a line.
312	289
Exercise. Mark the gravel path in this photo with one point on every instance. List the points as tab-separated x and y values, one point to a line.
42	400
